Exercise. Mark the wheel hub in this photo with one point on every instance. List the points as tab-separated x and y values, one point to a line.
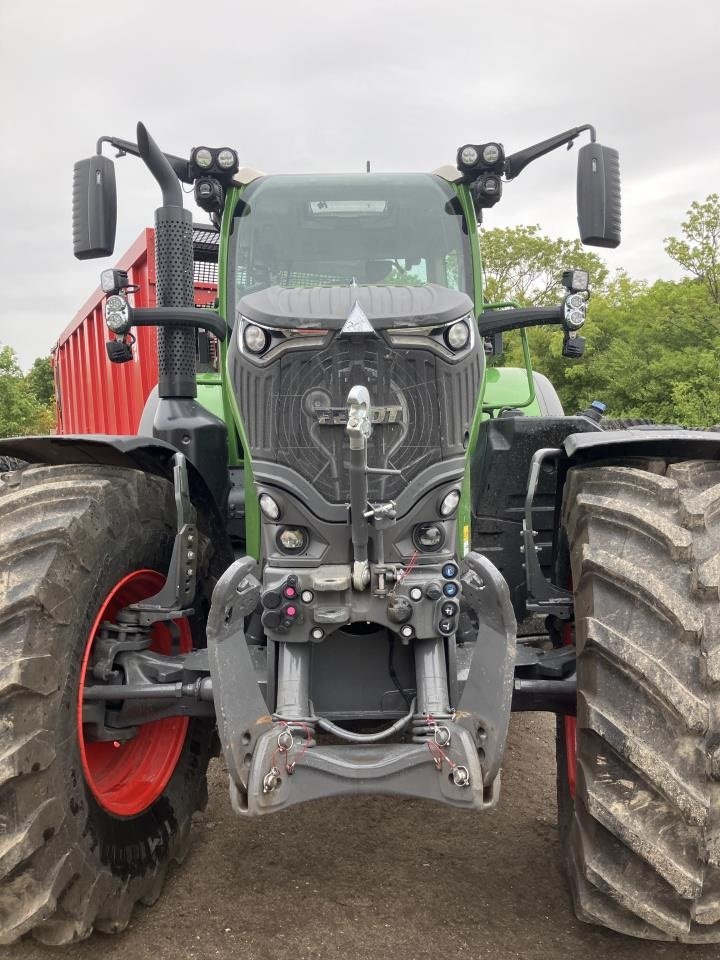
128	777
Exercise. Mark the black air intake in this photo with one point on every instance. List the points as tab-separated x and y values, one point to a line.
295	410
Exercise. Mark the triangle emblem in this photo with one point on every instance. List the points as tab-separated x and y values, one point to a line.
357	321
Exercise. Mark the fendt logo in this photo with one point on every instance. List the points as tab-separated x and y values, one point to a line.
338	416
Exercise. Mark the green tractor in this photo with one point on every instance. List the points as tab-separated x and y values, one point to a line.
347	557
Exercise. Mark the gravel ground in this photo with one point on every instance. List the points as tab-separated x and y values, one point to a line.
376	878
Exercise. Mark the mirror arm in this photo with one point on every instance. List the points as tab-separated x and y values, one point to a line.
501	321
517	162
200	319
180	166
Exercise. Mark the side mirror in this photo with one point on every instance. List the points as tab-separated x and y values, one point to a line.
94	208
598	195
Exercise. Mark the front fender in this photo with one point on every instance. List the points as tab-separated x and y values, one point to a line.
140	453
662	442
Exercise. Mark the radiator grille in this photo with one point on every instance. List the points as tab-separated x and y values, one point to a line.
295	411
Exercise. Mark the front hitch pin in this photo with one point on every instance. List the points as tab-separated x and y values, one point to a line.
285	740
442	736
271	780
461	776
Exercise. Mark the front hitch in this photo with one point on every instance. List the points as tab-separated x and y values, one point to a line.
358	430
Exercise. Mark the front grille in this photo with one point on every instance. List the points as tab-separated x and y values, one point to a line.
314	389
295	410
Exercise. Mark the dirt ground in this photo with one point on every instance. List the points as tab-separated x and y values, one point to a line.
376	878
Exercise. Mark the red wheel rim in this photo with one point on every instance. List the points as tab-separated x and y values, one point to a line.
127	778
570	723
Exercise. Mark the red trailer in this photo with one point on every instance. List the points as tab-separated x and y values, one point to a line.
96	396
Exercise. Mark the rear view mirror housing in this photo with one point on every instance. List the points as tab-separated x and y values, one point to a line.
94	208
598	195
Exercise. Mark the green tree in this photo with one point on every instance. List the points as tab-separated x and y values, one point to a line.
651	350
40	380
699	251
21	412
520	263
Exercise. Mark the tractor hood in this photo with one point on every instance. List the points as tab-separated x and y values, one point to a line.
380	307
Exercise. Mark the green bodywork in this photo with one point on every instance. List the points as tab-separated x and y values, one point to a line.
502	387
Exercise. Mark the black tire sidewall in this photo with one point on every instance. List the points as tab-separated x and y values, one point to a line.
565	800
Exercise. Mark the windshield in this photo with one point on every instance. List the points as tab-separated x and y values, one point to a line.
310	231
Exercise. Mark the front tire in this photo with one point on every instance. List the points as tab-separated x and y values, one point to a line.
76	852
641	832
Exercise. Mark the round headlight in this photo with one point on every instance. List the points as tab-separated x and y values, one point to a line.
449	502
269	507
203	158
255	338
576	301
117	314
469	156
491	153
428	537
457	335
226	158
575	318
292	539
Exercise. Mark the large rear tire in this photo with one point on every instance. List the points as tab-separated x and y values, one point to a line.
641	829
88	828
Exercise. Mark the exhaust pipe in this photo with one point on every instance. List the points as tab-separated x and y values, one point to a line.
174	270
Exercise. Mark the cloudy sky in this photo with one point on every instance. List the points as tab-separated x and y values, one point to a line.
324	85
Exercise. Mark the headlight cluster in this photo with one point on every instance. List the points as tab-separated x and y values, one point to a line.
270	507
222	160
257	340
292	540
481	157
117	314
449	503
575	310
430	537
455	337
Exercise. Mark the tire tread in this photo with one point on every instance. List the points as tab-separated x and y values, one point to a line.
640	839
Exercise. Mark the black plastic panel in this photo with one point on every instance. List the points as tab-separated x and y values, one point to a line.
499	474
295	409
329	307
94	208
